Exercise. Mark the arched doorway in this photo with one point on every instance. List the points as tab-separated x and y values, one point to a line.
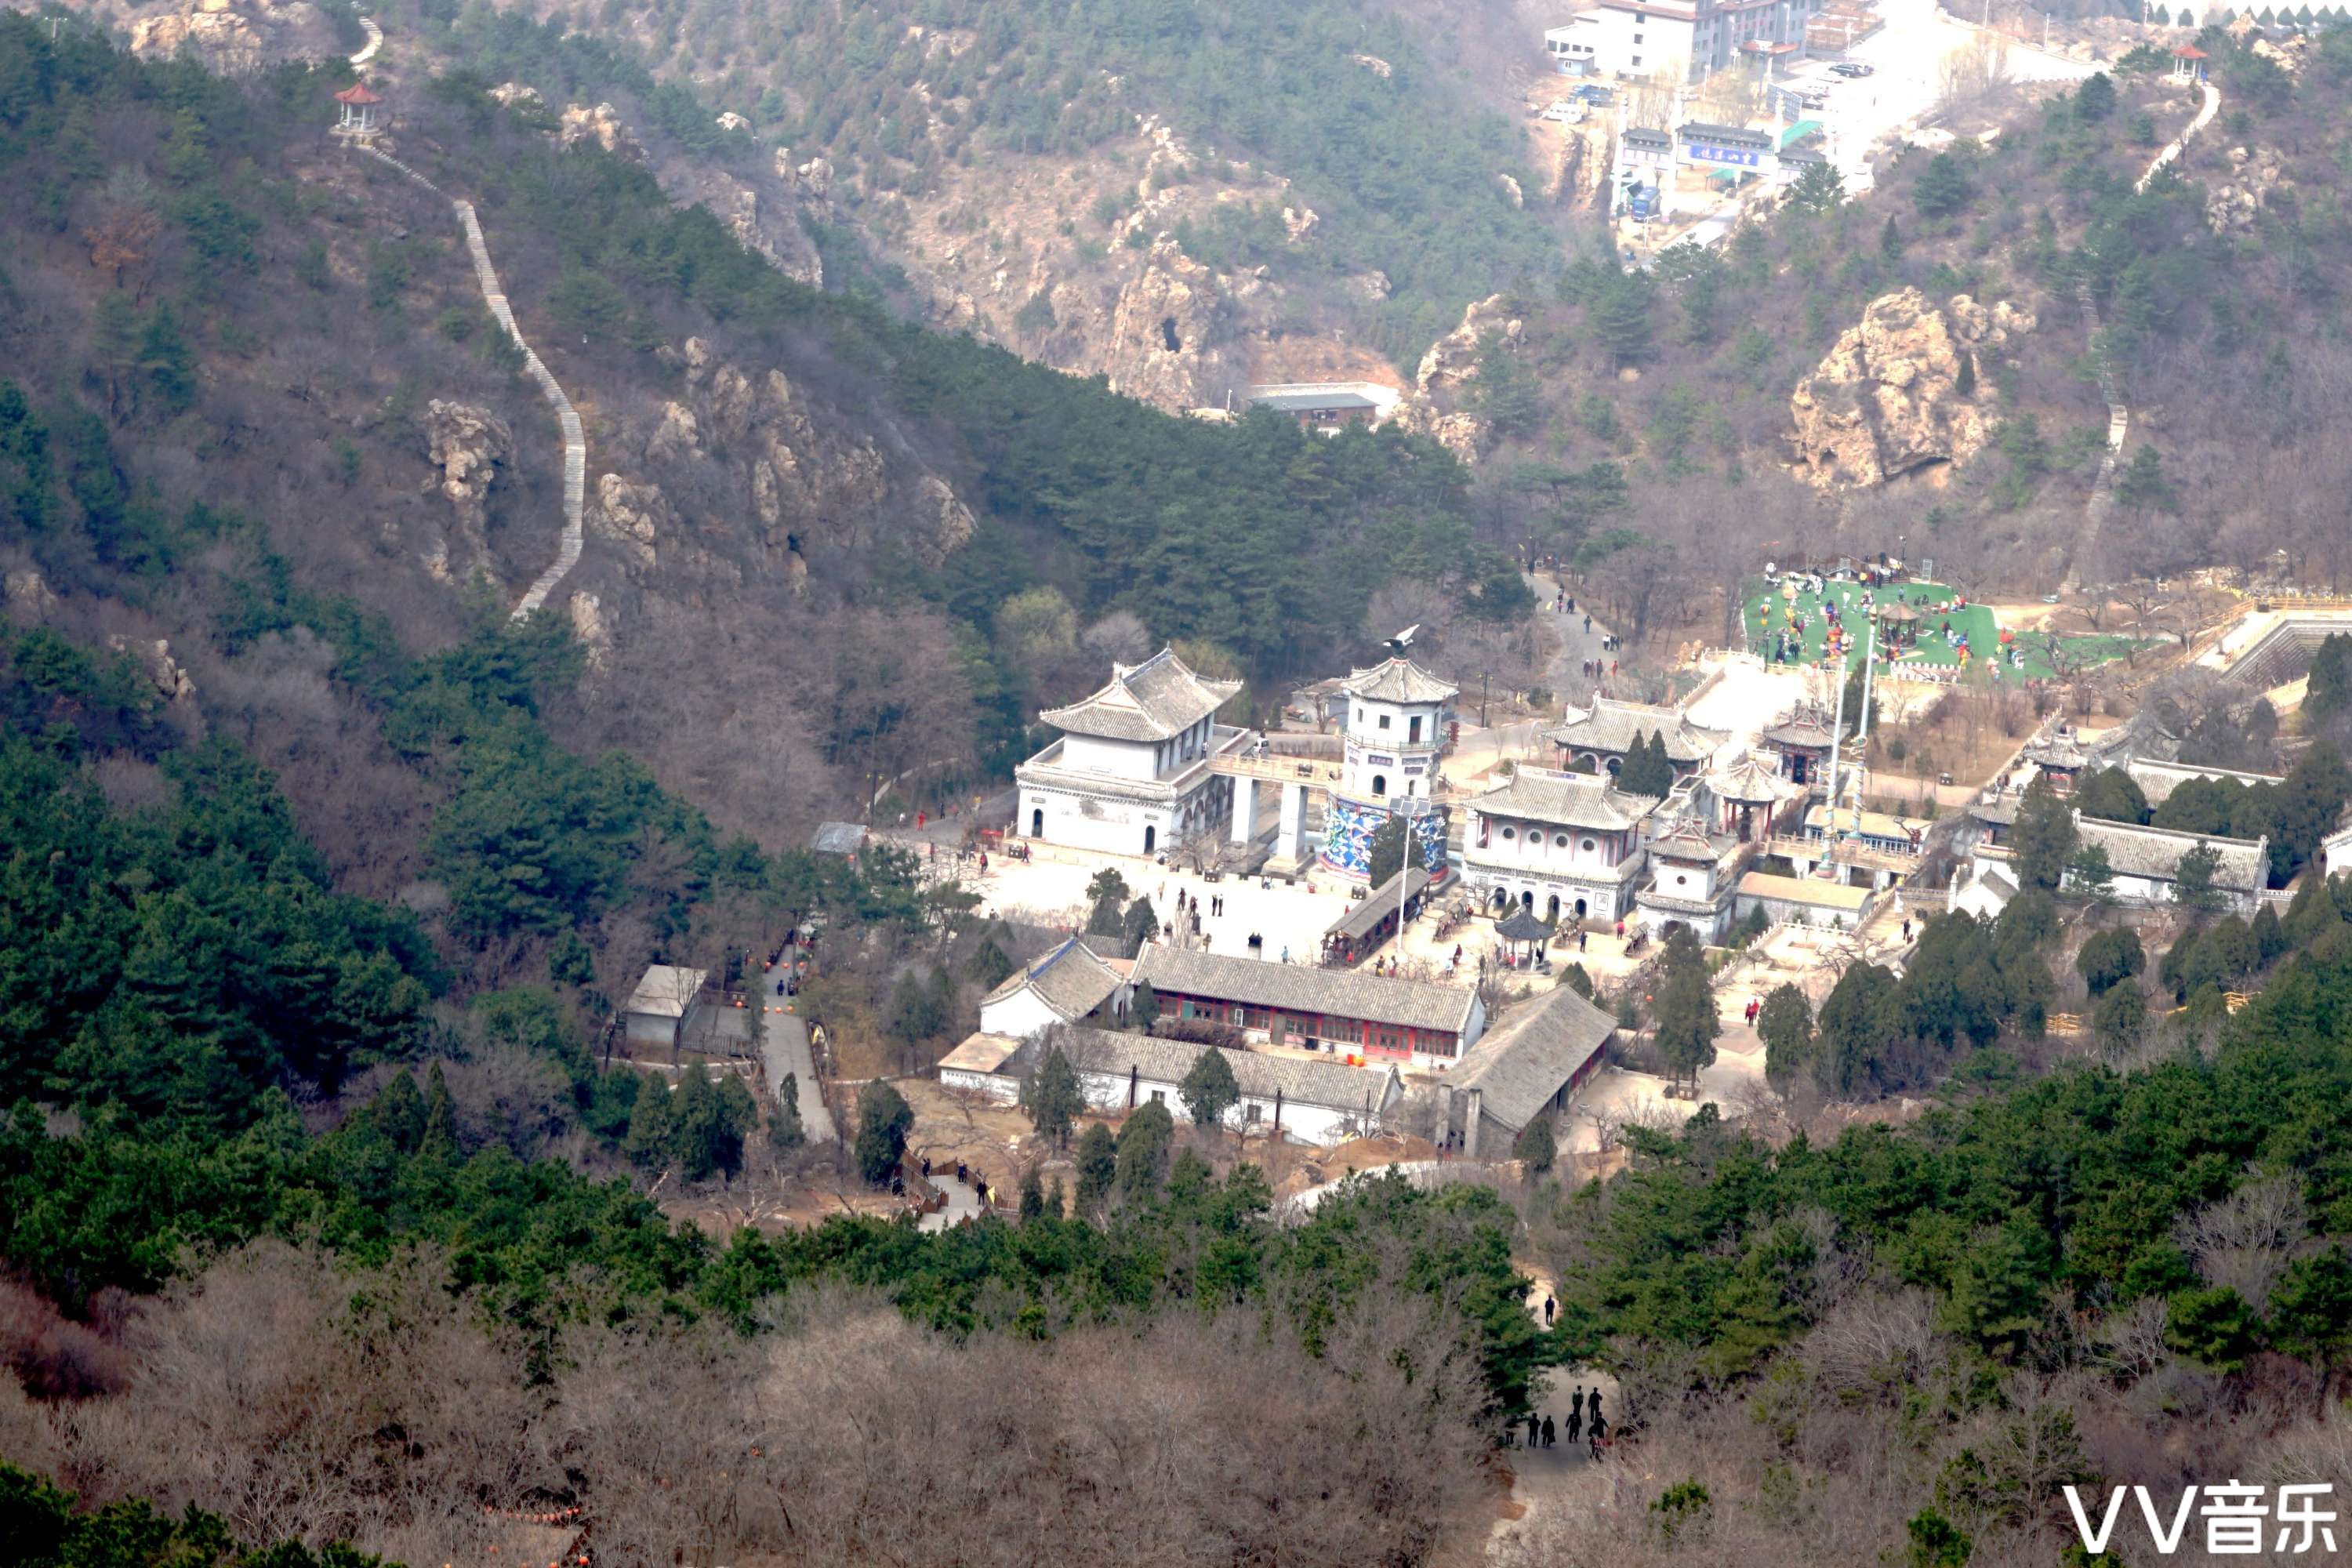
1038	822
1500	901
1579	908
1551	910
1379	786
1150	839
1614	763
1527	903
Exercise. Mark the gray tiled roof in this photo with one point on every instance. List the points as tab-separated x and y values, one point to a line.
2158	779
2155	852
1799	730
1378	905
1398	681
1524	1059
1304	988
1571	800
1070	980
1148	701
1331	1085
1746	778
1611	725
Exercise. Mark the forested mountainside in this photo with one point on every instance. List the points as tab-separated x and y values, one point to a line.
260	414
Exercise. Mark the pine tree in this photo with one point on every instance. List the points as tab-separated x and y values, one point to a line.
884	1118
2095	99
784	1129
2041	840
1143	1144
1209	1088
1142	923
1686	1020
1032	1196
1619	317
1945	187
2192	879
1785	1024
1536	1146
1144	1005
114	347
166	363
440	1117
1053	1096
398	1111
2330	688
1890	251
1097	1161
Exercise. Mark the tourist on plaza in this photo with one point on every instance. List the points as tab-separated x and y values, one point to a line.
1549	1431
1534	1429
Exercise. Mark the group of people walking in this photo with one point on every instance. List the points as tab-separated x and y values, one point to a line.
1584	1418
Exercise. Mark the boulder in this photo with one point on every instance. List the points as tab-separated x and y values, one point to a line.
601	125
1900	392
28	596
163	672
467	446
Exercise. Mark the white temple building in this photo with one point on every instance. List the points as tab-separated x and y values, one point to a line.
1130	773
1398	721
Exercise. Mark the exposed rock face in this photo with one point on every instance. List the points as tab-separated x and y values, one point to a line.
812	488
1298	222
601	125
26	594
731	121
770	228
635	515
511	93
813	178
468	446
2236	202
1510	185
163	672
1464	434
234	38
1164	328
1900	391
1453	360
589	624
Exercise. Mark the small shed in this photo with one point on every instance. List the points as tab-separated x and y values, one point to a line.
658	1009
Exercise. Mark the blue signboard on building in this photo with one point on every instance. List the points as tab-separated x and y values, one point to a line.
1705	153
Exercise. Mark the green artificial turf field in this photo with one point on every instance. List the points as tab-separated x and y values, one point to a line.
1763	620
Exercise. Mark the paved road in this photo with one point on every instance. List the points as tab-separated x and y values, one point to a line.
785	1049
1565	674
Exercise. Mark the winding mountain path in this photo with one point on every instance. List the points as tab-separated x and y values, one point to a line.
575	442
2103	489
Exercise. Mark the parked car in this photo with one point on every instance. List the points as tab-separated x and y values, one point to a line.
1852	69
1565	111
1591	92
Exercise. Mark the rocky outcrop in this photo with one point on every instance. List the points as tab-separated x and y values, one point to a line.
466	446
768	228
2236	202
509	93
26	596
815	486
1453	360
813	178
592	630
163	671
234	38
635	515
1902	390
1164	329
1464	434
601	125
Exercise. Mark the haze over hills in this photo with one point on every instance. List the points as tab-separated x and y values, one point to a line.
363	1195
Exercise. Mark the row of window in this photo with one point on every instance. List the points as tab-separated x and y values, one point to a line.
1535	839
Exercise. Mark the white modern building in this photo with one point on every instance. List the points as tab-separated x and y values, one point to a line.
1574	49
1562	845
1130	774
1676	41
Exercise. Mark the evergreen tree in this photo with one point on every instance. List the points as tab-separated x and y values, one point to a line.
2041	840
1144	1005
1646	768
2090	875
1143	1144
1859	1013
1097	1161
1385	853
2111	794
2330	688
1687	1021
1785	1024
1964	380
1032	1196
440	1136
1506	391
2120	1016
1209	1089
1535	1145
2110	958
114	348
1141	923
2142	484
1053	1096
1819	190
2313	912
1890	251
2095	99
570	961
884	1118
398	1109
2269	936
1618	316
784	1129
1945	187
167	365
2192	879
